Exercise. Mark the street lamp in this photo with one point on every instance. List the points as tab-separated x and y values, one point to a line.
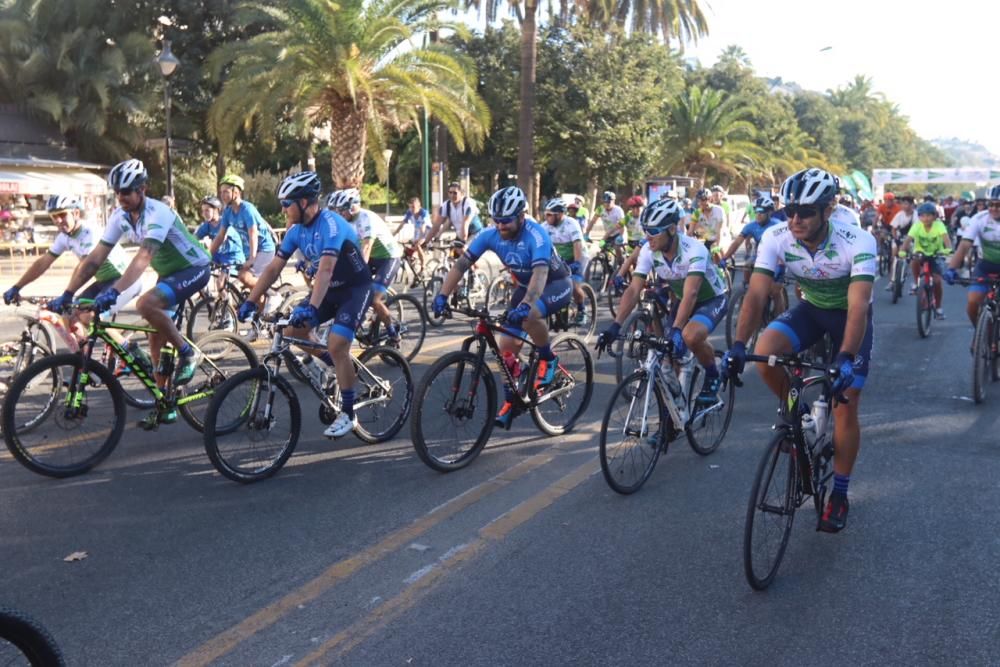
168	64
387	154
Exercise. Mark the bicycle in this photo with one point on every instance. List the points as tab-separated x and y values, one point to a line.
629	352
217	312
796	465
34	342
884	253
601	269
459	390
927	303
772	309
501	291
87	403
472	289
239	445
650	408
23	638
986	339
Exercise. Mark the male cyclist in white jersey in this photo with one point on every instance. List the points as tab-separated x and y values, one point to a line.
834	263
182	265
983	227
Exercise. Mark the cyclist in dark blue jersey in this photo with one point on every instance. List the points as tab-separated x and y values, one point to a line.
341	287
544	283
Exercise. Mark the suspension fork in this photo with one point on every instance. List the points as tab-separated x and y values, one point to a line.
480	353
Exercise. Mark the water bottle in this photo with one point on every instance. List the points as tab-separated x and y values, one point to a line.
513	365
686	364
140	356
819	412
676	391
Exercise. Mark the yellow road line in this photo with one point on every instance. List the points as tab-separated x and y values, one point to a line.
346	640
226	641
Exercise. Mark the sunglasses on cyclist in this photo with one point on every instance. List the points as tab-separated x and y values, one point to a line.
505	221
285	203
654	231
804	212
995	204
125	192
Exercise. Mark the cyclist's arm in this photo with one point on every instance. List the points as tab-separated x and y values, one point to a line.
321	281
463	233
134	270
630	297
960	253
690	299
946	239
37	268
252	234
733	247
578	251
859	295
86	269
366	248
753	304
539	276
268	276
906	244
434	230
629	262
455	274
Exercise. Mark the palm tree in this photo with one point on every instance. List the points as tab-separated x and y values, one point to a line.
858	94
353	65
709	132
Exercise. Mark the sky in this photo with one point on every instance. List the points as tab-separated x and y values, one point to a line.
937	66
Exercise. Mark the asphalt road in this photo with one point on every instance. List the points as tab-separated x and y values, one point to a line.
357	554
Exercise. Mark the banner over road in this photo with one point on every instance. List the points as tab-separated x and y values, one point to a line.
883	177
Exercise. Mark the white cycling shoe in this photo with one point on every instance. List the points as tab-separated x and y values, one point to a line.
341	426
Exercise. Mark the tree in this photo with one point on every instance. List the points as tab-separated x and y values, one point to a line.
352	65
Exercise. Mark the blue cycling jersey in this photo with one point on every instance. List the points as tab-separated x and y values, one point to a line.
529	249
329	234
248	216
231	250
755	230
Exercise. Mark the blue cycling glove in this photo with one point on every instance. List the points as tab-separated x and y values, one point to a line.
60	303
734	361
106	299
676	339
620	283
305	314
574	267
608	337
950	276
11	295
440	305
518	315
844	365
246	311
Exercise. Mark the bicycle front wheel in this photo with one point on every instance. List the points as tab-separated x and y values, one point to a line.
633	432
629	354
498	294
981	353
383	394
925	310
62	416
583	316
252	425
708	426
24	639
408	315
211	315
770	511
432	290
223	355
453	411
559	405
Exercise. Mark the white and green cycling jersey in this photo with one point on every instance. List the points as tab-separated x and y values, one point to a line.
983	228
82	243
691	260
178	250
564	235
369	225
848	255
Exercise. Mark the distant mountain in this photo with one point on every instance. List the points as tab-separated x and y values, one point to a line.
967	153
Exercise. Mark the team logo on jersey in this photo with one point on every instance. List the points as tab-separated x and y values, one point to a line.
831	254
789	257
863	257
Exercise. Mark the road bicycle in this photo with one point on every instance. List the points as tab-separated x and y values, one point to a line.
646	318
986	339
66	413
23	640
456	399
796	466
927	303
253	422
654	406
772	309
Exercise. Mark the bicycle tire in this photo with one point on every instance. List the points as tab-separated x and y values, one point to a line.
596	274
897	284
564	346
981	353
30	638
427	448
41	332
135	392
498	294
925	310
22	361
261	387
587	331
733	318
696	436
432	289
994	357
365	391
780	454
213	371
629	354
407	312
612	467
17	439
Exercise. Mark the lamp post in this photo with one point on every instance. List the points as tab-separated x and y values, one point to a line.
387	154
168	64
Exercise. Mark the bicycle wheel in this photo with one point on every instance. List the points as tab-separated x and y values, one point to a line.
586	327
211	315
432	289
223	355
134	390
733	318
408	314
498	294
23	638
629	355
597	274
559	405
384	393
58	423
925	310
15	356
632	432
898	277
708	426
770	512
252	425
479	283
981	355
453	411
41	332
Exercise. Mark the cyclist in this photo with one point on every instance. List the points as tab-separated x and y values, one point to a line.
701	300
80	238
763	209
577	210
567	239
379	249
845	212
230	254
706	222
612	218
887	210
868	216
929	237
341	284
461	212
179	260
719	199
900	227
544	284
256	234
985	228
835	265
415	215
633	226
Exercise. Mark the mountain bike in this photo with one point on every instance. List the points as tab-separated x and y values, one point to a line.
34	342
472	288
567	318
216	310
772	309
653	406
24	640
986	340
927	303
66	413
254	420
796	466
456	399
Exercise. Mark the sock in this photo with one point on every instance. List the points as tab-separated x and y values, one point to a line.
186	351
508	393
326	358
711	371
545	353
347	402
840	483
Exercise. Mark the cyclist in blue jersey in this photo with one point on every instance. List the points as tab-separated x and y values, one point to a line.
230	252
256	234
341	284
764	210
544	284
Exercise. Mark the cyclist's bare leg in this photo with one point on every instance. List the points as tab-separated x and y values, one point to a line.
773	342
340	350
696	338
938	290
577	292
973	305
846	433
381	310
153	308
250	280
779	297
915	269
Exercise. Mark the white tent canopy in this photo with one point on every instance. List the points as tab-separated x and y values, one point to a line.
26	181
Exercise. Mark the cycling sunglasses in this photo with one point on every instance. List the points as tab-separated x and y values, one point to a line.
654	231
285	203
505	221
804	212
125	192
995	204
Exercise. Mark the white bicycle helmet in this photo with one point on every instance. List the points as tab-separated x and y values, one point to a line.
128	174
348	198
303	185
556	205
660	216
810	187
62	203
507	202
764	202
994	193
331	201
608	196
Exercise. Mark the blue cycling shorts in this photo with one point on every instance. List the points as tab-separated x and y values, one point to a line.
182	285
983	270
346	306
